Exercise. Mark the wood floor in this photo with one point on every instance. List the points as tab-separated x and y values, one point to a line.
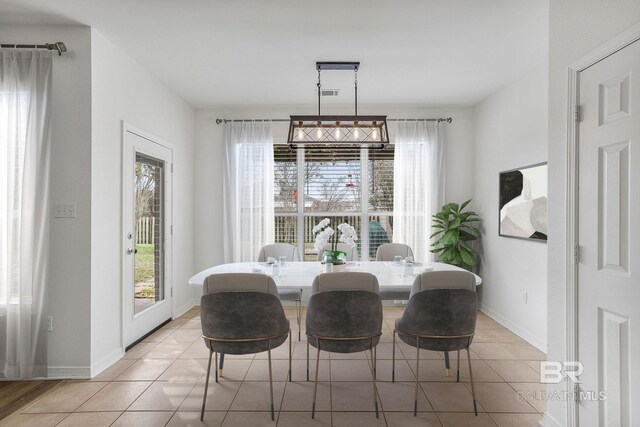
16	394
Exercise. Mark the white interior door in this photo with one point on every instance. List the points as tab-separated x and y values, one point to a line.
147	290
609	238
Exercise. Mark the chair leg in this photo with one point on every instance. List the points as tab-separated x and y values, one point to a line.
473	392
375	362
447	364
415	398
216	363
373	376
315	385
299	315
221	364
206	386
290	338
270	382
307	358
458	368
393	359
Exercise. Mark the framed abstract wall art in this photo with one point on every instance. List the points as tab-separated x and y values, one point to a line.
523	203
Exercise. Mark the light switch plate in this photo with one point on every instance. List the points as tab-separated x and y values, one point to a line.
65	210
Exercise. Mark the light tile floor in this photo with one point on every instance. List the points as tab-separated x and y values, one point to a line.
161	381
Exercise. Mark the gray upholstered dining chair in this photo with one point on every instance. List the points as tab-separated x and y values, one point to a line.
344	315
444	280
387	252
241	313
276	250
351	251
442	319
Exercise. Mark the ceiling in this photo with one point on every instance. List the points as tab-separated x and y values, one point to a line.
258	52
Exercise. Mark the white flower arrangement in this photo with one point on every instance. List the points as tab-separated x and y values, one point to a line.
347	234
323	237
325	234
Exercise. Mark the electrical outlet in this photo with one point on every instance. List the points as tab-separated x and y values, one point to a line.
50	324
65	210
524	296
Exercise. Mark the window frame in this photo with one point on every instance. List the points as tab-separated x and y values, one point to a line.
365	212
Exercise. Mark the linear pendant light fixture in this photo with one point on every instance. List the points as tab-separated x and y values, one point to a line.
340	131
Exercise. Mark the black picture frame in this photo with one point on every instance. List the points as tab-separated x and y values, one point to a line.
522	203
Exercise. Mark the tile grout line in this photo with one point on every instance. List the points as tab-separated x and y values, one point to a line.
524	400
160	374
284	390
378	396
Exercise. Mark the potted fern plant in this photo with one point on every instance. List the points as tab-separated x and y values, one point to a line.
455	229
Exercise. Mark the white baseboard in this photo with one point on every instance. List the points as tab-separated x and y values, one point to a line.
68	372
516	329
107	361
83	372
184	308
548	421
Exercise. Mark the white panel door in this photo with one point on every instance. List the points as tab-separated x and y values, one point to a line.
147	294
609	238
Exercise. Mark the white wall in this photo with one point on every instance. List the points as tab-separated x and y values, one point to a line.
576	28
95	86
122	90
209	154
511	132
70	238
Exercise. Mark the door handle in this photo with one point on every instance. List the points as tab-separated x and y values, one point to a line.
131	251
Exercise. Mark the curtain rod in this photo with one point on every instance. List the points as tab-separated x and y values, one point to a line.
57	46
219	121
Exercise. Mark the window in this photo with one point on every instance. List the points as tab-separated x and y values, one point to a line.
344	185
25	127
14	112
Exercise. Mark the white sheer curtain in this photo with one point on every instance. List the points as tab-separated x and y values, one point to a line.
248	190
418	183
25	128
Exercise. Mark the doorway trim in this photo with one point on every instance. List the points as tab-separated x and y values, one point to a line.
573	251
128	127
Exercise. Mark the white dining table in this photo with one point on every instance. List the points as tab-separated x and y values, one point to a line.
300	275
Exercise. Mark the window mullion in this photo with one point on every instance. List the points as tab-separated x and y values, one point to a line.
300	205
364	204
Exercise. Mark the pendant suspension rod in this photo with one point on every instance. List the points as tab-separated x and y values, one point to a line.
319	86
439	120
57	46
355	88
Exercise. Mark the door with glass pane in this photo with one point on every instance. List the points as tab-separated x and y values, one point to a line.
147	235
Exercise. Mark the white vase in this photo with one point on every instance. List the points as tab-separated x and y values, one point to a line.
339	267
